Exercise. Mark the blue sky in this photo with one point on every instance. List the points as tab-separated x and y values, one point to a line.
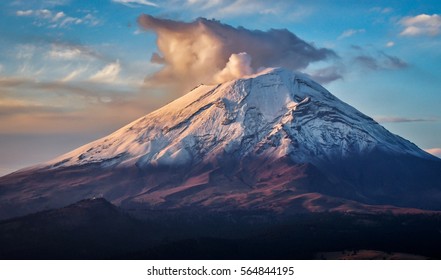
73	71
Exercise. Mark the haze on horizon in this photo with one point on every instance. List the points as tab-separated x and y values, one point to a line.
71	72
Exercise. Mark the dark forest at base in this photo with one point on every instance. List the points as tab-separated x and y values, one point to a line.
95	229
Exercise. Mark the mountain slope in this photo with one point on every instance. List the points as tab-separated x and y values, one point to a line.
276	141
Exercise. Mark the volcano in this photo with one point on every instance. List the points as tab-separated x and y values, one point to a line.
275	141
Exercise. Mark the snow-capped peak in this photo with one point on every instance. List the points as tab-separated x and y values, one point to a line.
274	113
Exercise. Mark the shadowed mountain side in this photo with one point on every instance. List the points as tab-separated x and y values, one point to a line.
278	185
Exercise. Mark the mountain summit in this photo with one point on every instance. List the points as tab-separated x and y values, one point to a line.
273	114
273	141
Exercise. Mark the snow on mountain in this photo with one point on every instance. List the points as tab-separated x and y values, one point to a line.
274	113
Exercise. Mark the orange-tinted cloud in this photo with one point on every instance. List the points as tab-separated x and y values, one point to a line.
205	51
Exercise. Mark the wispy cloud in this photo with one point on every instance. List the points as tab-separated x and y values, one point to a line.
66	61
21	92
54	19
421	25
328	74
134	3
392	119
68	51
390	44
31	106
223	9
243	7
381	61
25	51
381	10
65	53
42	14
26	109
24	85
46	69
43	3
74	74
109	74
24	13
392	62
350	32
58	16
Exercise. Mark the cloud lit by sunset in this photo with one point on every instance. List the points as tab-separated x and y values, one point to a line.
205	51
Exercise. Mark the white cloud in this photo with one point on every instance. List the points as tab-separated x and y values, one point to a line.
58	19
239	7
46	14
24	13
132	3
204	4
58	52
65	51
434	151
70	20
233	8
137	31
350	32
108	74
390	44
238	65
91	20
428	25
221	9
43	14
58	16
74	74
